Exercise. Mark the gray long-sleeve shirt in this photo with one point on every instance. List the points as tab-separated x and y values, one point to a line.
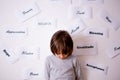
66	69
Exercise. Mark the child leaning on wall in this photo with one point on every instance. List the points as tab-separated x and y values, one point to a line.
62	65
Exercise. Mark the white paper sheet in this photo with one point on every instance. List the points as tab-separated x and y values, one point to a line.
27	11
13	31
96	67
29	52
10	54
76	26
85	48
96	32
79	12
31	74
113	50
104	16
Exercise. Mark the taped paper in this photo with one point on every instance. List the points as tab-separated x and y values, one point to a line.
13	31
31	74
75	27
26	12
10	55
29	51
85	48
104	16
96	67
113	50
97	32
78	11
46	22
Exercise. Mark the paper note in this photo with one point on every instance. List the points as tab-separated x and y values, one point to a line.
31	74
29	52
46	22
78	11
97	32
10	55
113	50
96	67
27	11
75	27
9	31
85	48
104	16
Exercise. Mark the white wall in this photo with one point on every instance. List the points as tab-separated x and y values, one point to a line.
39	19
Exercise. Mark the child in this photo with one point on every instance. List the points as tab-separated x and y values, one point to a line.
62	65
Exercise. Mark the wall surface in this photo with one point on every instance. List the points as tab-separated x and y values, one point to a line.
26	27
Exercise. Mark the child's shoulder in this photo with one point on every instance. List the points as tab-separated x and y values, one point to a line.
74	58
49	57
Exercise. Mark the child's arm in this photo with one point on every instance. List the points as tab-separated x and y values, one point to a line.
47	70
77	70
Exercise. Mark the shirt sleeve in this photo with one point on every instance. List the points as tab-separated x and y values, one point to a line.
77	69
47	69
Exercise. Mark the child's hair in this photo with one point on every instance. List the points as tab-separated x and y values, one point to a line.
61	43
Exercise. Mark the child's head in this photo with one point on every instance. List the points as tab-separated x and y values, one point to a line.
61	44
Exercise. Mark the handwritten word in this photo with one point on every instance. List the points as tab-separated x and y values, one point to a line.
33	74
98	33
27	53
5	51
95	67
78	47
78	12
44	23
73	30
15	31
117	48
25	12
108	19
